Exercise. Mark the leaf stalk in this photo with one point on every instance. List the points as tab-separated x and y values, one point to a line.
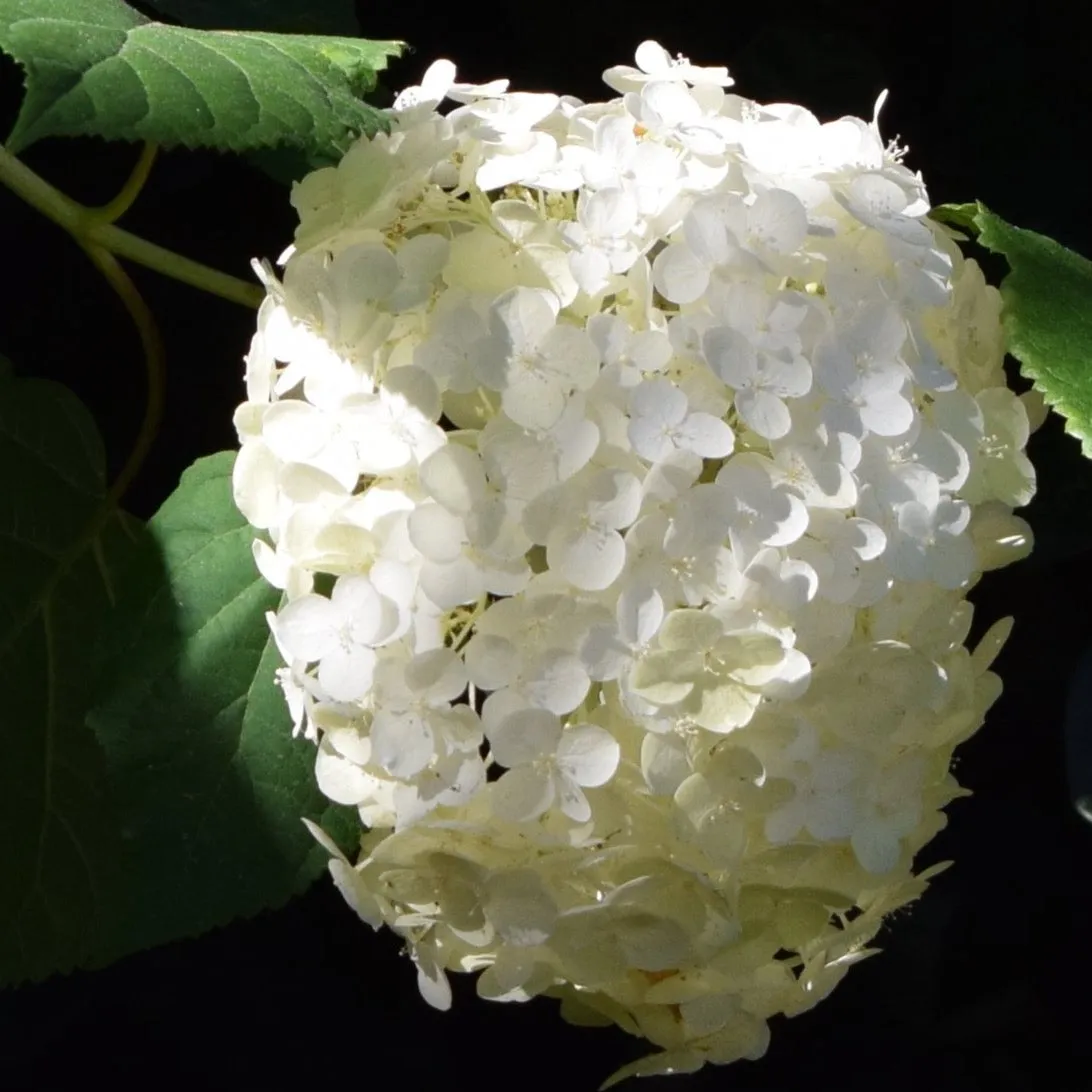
95	227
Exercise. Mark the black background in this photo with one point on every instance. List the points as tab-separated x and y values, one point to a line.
984	984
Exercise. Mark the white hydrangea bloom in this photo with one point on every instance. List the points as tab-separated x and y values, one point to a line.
625	467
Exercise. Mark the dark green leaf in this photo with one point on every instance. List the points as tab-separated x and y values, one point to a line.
61	566
175	805
99	68
208	781
290	16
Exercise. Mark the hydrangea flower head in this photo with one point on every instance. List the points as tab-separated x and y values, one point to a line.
625	467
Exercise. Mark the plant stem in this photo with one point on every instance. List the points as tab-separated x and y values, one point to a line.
154	366
38	193
101	239
114	210
127	245
91	227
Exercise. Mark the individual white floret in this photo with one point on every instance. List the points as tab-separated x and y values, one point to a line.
342	633
862	373
580	524
647	170
532	360
655	63
547	763
601	238
742	506
661	424
993	430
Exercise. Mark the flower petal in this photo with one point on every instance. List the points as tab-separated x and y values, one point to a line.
346	673
307	627
524	736
588	754
523	794
402	743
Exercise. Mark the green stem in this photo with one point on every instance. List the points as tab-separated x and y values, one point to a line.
127	245
92	228
154	366
114	210
37	192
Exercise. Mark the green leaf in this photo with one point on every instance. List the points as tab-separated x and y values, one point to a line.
958	215
1048	317
61	563
291	16
175	804
99	68
209	784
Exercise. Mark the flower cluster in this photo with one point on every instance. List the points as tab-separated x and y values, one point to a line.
625	467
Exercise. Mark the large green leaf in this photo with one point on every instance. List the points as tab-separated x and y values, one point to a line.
291	16
174	805
284	164
61	566
209	784
99	68
1047	312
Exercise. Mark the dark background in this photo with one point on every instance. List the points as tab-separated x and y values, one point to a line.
985	984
